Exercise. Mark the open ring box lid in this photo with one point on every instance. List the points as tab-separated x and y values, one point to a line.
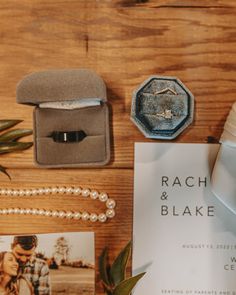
162	107
65	101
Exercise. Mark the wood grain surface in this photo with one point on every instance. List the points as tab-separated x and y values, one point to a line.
124	41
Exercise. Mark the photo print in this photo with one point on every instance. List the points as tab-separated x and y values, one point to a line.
47	264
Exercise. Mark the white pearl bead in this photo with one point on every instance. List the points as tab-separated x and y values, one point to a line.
16	210
47	213
8	192
54	190
14	193
41	212
77	191
61	214
85	192
27	211
85	216
34	192
28	192
55	213
34	211
61	190
47	191
94	195
10	211
77	215
69	214
3	191
111	204
102	217
103	197
93	217
110	213
4	211
21	192
22	211
43	190
69	190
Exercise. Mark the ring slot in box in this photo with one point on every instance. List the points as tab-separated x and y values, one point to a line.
68	103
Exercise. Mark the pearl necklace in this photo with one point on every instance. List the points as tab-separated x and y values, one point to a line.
93	194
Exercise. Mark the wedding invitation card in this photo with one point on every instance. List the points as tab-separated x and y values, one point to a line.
184	237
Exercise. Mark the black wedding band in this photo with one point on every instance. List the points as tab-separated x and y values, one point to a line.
68	136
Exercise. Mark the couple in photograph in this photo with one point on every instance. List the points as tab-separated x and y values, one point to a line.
21	272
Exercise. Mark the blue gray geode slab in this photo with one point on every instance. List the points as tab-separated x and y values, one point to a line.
162	107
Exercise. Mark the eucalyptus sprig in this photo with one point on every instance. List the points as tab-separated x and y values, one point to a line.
9	139
113	276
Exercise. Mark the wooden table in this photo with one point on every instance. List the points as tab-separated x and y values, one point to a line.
124	41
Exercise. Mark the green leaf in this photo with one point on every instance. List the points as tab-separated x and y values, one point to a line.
103	266
5	124
4	170
14	134
119	265
8	147
125	287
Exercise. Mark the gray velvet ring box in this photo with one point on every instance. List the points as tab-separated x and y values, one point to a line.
68	100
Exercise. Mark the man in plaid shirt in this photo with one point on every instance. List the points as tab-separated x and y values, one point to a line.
35	270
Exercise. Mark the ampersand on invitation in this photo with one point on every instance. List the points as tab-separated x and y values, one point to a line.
164	196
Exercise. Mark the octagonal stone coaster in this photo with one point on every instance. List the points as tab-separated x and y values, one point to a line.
162	107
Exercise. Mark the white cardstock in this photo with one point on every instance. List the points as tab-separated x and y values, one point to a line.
184	237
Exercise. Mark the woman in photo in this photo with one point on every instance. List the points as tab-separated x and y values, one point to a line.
12	282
